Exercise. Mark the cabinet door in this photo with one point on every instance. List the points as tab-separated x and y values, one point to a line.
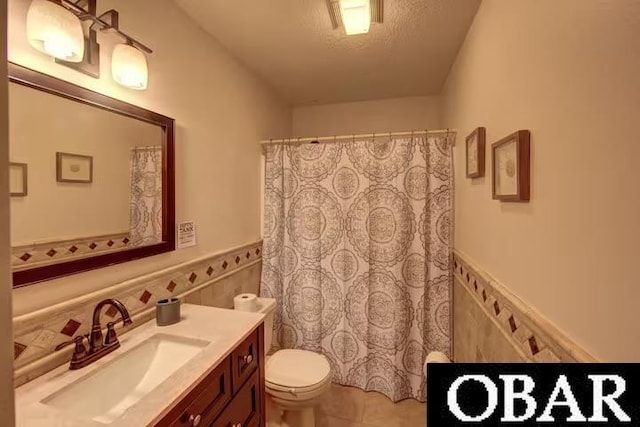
205	402
244	360
245	408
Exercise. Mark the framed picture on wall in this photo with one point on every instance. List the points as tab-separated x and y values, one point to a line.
475	153
74	168
511	167
18	179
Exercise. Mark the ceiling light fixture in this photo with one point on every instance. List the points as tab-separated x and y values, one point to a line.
55	28
355	16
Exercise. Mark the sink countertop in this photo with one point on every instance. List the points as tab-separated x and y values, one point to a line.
223	328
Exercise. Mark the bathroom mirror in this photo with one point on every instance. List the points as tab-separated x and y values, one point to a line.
100	179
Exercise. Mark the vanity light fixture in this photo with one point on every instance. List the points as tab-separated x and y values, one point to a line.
55	28
355	16
129	67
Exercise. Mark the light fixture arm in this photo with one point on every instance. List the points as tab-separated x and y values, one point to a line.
112	17
108	21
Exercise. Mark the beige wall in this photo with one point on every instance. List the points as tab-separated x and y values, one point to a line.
72	209
386	115
6	339
221	111
568	71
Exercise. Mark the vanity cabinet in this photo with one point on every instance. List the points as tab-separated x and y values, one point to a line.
232	395
245	408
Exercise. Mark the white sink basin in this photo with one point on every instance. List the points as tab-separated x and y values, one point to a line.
107	393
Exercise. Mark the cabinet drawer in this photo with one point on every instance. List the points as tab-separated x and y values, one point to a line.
245	360
205	402
245	408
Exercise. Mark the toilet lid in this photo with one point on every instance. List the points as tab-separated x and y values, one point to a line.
296	368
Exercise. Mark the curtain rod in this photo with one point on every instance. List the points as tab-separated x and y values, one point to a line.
365	135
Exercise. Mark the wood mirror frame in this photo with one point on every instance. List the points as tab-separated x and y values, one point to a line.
52	85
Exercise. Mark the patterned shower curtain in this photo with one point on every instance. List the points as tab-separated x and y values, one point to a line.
357	242
145	215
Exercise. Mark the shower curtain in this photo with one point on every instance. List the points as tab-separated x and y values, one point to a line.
357	242
145	214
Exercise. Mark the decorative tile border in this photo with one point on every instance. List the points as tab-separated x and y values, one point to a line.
529	332
52	252
37	334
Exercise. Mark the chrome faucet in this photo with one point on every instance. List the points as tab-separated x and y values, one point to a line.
97	347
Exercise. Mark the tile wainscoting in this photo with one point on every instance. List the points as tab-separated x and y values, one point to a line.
54	251
211	280
493	325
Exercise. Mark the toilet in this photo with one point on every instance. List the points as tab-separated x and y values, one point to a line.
295	380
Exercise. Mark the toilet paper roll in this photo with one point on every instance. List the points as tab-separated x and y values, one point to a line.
435	357
245	302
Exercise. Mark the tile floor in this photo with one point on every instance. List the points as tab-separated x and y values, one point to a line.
352	407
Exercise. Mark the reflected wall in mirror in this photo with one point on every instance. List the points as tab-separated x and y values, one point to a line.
101	184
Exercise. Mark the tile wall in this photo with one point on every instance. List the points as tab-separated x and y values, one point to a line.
490	323
493	325
212	280
52	252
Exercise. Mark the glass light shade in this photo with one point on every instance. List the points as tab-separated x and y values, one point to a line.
54	30
356	16
129	67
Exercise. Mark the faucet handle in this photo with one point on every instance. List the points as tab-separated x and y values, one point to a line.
77	341
111	337
80	349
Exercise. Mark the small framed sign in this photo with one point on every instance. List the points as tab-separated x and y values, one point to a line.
18	179
475	153
186	234
74	168
511	167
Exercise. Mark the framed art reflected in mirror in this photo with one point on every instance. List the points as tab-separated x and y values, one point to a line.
18	179
511	167
101	187
74	168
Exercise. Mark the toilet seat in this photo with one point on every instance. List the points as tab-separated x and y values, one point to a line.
296	374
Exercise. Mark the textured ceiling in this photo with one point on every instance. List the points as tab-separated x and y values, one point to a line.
292	45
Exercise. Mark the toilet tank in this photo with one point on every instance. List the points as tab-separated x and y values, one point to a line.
268	307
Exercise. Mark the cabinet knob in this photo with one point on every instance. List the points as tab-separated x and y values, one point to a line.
195	420
237	425
247	359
